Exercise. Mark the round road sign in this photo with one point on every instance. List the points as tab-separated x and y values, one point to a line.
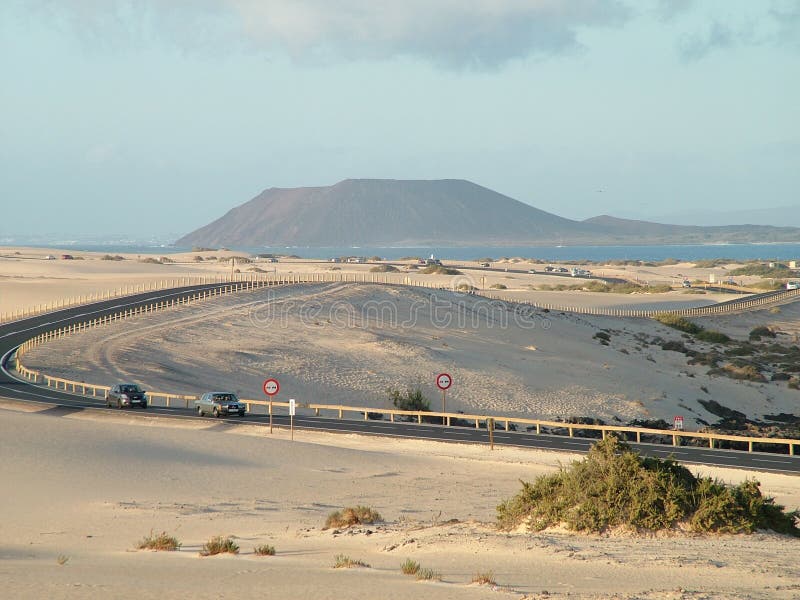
271	387
443	381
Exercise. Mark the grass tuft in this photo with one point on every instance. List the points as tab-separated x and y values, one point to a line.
62	559
428	575
219	545
484	578
161	542
410	567
347	517
264	550
342	561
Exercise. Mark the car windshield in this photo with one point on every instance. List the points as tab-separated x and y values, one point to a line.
224	397
129	388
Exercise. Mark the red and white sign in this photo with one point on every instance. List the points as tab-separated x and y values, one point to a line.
271	387
677	423
443	381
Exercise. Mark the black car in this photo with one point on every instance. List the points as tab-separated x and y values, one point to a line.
126	394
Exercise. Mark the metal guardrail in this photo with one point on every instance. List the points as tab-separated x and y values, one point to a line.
252	283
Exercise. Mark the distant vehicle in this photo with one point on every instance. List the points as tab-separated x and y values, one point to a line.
432	261
484	264
271	259
562	270
219	404
531	271
550	269
67	257
793	285
49	257
336	260
687	283
126	395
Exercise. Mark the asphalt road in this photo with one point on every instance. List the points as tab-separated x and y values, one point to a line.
61	403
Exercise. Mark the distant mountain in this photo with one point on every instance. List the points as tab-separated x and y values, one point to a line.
381	212
786	216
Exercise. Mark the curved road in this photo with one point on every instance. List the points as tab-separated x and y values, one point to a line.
61	402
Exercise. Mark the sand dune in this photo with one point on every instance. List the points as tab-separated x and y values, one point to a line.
88	485
347	344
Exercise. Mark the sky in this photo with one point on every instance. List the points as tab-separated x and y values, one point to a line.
154	117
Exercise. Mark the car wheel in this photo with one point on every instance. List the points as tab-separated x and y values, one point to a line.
216	412
241	413
199	411
119	404
108	402
144	405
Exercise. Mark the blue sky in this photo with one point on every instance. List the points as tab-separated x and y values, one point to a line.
157	116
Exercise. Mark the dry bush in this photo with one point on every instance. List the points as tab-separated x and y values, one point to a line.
347	517
219	545
161	542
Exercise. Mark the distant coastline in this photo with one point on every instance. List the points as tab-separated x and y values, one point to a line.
656	252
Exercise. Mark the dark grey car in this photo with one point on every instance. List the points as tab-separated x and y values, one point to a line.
126	395
219	404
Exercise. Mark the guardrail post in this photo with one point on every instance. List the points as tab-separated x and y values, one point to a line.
750	446
674	439
791	449
570	431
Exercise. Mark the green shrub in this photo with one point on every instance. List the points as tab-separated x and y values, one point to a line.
409	567
677	322
762	270
160	541
219	545
410	399
115	257
264	550
498	286
342	561
383	269
614	486
439	270
347	517
712	337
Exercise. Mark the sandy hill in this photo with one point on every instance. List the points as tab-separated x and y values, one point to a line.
383	212
347	344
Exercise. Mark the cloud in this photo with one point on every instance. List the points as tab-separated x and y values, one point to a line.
776	24
667	10
450	33
694	47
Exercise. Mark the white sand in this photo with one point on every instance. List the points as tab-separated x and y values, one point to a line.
87	486
346	344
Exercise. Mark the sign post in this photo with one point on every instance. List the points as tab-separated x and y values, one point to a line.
292	410
677	423
443	382
490	427
271	388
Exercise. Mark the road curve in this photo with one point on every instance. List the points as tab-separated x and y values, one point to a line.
62	402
